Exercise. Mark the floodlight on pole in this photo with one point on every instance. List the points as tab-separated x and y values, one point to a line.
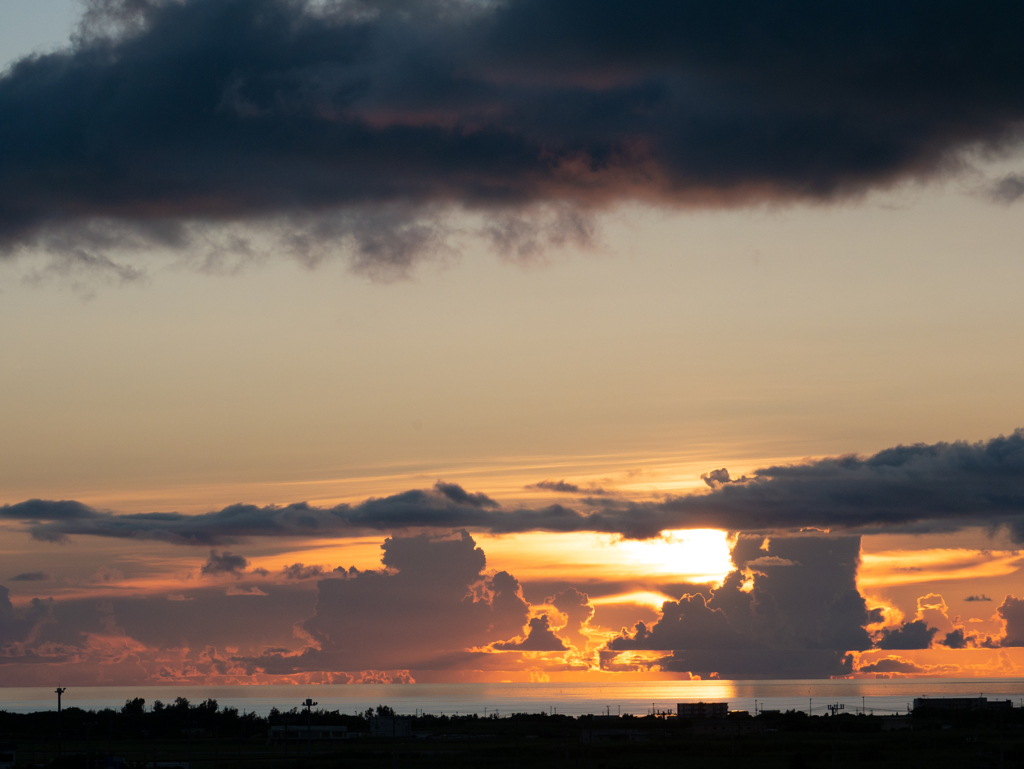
309	705
59	691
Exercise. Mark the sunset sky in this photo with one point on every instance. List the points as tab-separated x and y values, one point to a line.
515	340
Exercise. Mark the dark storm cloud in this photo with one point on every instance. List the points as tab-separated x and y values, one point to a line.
909	635
31	576
360	122
224	563
46	510
919	488
972	598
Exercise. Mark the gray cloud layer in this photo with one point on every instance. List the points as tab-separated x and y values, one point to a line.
356	121
943	486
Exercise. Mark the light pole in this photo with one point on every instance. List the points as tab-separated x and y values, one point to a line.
59	690
309	705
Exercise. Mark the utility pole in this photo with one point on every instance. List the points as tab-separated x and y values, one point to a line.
59	690
833	711
516	717
309	705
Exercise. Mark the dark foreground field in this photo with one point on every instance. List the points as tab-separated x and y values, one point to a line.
206	737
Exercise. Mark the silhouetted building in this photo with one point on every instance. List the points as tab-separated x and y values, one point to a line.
387	726
298	733
702	709
961	703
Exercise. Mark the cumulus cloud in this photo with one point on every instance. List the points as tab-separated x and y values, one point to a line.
22	625
972	598
1011	610
300	571
224	563
539	638
148	638
430	603
799	615
891	665
909	635
955	639
716	477
31	576
919	488
578	612
360	124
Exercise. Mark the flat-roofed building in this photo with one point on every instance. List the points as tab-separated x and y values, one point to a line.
961	703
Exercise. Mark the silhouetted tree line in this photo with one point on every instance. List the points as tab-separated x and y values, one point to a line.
183	719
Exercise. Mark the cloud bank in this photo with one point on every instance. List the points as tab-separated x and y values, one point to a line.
938	487
359	123
434	611
799	617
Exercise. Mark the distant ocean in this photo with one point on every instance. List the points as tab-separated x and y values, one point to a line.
637	698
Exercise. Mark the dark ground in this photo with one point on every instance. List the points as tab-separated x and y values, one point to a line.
213	738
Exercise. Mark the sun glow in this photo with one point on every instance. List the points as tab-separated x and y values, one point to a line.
697	555
650	598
